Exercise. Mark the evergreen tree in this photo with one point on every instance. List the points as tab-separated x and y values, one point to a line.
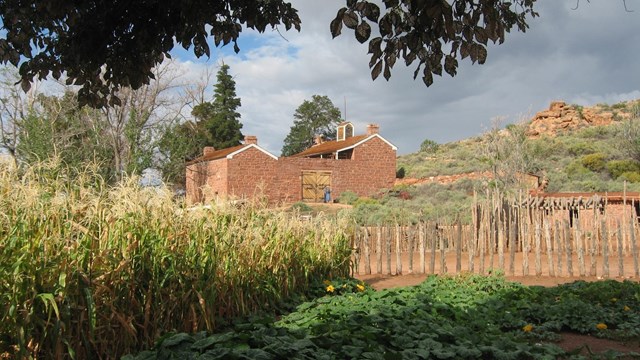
216	124
220	118
316	117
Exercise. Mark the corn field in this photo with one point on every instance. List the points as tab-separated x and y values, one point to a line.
568	238
89	271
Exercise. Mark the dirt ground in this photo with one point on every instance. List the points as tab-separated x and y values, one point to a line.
569	341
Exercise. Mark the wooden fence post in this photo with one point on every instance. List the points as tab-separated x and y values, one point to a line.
568	247
367	251
421	235
388	240
548	242
398	251
538	235
459	248
559	247
620	251
634	249
434	236
605	249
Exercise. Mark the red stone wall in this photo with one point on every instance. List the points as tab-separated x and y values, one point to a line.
251	174
207	181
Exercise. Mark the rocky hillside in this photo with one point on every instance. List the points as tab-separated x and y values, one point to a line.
563	117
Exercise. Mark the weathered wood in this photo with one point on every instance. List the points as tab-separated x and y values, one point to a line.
398	250
367	252
579	247
568	247
459	248
525	250
500	234
605	249
379	250
547	238
443	260
634	248
481	241
388	241
593	251
421	247
409	234
620	251
512	248
538	235
434	238
559	247
356	253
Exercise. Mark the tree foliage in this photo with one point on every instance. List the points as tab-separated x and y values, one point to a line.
216	123
56	127
103	46
312	118
433	33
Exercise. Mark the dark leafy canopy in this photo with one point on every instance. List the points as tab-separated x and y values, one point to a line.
316	117
431	32
103	45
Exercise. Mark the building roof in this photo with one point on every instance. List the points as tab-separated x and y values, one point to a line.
337	146
228	153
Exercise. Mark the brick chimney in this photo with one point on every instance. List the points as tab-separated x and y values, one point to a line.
208	150
373	129
250	139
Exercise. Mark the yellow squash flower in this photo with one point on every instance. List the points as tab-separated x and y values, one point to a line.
601	326
626	308
330	289
527	328
360	287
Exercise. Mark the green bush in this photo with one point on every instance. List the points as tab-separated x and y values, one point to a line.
429	146
400	173
630	176
594	162
619	167
581	148
348	197
576	170
301	207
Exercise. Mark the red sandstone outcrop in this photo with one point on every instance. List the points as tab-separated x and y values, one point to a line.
561	117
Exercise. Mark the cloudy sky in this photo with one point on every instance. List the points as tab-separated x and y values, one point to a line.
585	56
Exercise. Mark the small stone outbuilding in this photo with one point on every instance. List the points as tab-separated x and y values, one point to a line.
364	164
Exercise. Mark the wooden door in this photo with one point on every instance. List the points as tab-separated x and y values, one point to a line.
313	184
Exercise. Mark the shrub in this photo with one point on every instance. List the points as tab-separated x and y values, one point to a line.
581	148
576	170
619	167
630	176
594	162
400	173
348	197
301	207
429	146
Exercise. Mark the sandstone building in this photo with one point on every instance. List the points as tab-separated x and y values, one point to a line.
363	164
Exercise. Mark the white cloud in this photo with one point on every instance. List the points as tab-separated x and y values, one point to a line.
584	56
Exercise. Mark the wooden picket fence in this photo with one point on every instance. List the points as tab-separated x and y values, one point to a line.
516	238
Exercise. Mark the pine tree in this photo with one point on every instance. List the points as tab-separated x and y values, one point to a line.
220	118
